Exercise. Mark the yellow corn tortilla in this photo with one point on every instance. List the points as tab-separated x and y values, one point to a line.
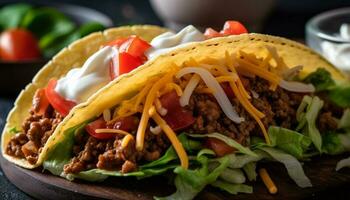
73	56
128	85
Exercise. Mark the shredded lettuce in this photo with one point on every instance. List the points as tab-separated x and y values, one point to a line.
343	163
233	188
321	79
340	95
237	161
306	115
250	171
60	153
293	166
227	140
335	143
235	176
289	141
191	181
344	122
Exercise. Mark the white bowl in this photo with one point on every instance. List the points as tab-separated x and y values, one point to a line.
212	13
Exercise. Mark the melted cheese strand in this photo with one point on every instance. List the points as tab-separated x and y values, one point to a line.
152	95
218	92
107	130
173	139
191	85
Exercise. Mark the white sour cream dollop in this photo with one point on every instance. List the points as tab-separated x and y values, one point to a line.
80	83
169	41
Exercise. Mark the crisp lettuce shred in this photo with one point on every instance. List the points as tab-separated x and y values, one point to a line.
289	141
321	79
306	115
227	140
339	94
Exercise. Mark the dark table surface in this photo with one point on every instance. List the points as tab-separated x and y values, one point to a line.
288	19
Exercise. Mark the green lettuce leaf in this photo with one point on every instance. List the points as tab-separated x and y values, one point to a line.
336	143
227	140
306	115
343	163
60	154
233	188
321	79
340	95
289	141
293	166
237	161
250	171
344	122
191	181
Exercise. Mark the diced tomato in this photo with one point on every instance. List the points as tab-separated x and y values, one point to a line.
131	55
233	28
211	33
177	117
60	104
127	124
219	147
40	102
125	64
117	42
128	62
135	46
98	124
228	90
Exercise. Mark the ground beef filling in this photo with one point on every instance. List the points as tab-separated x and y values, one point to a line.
90	153
279	107
36	130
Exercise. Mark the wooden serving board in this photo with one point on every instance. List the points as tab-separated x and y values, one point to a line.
328	184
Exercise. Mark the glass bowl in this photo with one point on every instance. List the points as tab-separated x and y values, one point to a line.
323	35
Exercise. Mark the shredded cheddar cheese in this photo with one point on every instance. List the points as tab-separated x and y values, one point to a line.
132	106
173	139
205	90
126	140
270	185
172	86
107	130
151	96
271	77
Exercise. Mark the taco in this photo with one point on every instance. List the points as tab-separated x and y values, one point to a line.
208	112
26	134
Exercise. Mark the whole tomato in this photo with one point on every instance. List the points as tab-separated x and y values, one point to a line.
18	45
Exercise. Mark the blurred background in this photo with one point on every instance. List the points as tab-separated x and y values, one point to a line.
278	17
